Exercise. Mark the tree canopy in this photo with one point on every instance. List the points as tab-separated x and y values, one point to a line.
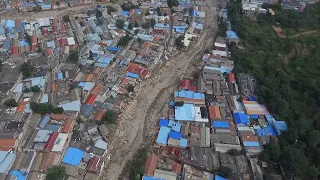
110	117
44	108
179	41
56	173
10	103
172	3
74	56
137	164
120	23
124	40
27	70
130	88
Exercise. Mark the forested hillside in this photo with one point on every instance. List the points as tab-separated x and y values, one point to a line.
288	72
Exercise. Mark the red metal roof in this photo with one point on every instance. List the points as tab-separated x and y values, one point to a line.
232	77
177	168
151	165
45	31
185	83
124	82
52	139
67	126
14	50
100	115
94	164
91	99
55	29
63	27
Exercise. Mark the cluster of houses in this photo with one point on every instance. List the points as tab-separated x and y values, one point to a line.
73	72
213	122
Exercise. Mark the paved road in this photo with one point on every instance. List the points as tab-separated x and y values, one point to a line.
141	115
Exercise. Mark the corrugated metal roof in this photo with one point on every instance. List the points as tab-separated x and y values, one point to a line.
73	156
6	159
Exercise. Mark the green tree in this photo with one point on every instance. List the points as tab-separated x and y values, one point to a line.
56	173
130	26
130	88
312	172
136	24
152	22
179	42
146	25
179	103
27	70
111	9
120	23
10	103
35	89
222	29
110	117
225	171
172	3
234	152
66	18
74	56
147	13
45	108
138	163
124	40
57	110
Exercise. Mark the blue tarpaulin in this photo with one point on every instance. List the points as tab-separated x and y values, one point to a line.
132	75
241	118
163	122
254	116
221	124
231	35
267	131
280	126
110	48
251	98
175	135
217	177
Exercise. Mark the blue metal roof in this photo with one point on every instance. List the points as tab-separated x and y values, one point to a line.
5	161
217	177
110	48
267	131
175	135
20	175
151	178
185	112
251	144
221	124
73	156
254	116
45	98
163	135
125	13
175	125
183	142
133	75
52	127
88	86
159	25
60	76
188	94
44	121
86	110
71	106
280	126
231	35
10	24
241	118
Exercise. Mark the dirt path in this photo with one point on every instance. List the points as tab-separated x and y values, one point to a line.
304	34
141	115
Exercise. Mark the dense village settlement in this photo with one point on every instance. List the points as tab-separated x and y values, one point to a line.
159	90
